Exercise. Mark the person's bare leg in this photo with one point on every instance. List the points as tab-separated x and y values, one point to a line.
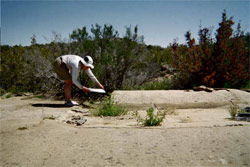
67	89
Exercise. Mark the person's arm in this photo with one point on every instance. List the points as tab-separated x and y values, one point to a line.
75	74
93	78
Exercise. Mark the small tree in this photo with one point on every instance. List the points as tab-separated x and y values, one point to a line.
213	64
33	40
231	58
80	35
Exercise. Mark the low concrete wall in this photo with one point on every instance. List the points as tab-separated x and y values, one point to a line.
163	99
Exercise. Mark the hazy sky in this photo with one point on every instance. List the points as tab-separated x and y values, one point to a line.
160	22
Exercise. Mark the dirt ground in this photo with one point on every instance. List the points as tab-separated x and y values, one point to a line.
34	133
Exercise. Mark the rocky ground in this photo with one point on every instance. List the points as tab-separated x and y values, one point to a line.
42	132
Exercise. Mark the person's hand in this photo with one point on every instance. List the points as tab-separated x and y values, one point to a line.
101	86
85	89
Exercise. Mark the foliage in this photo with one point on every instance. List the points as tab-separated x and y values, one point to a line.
80	35
114	57
26	69
108	108
29	68
151	85
125	62
213	64
156	85
151	119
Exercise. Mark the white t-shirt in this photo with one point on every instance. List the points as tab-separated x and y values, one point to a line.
74	66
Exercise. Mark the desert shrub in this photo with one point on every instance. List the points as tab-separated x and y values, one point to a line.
114	57
126	62
27	69
156	85
151	119
119	61
108	108
151	85
224	62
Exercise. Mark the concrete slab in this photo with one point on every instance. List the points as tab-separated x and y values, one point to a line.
180	99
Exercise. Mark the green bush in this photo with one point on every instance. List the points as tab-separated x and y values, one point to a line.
155	85
152	85
151	119
108	108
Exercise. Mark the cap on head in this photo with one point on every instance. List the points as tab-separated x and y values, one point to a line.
88	61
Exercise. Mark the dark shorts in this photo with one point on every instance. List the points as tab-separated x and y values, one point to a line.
61	69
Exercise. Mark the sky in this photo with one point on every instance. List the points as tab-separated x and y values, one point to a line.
159	21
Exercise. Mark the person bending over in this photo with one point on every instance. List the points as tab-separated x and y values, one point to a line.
67	68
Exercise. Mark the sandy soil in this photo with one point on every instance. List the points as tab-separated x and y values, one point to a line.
34	133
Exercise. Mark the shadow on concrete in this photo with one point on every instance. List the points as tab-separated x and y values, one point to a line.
51	105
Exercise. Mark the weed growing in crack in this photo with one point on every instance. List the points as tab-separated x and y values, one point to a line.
108	108
151	119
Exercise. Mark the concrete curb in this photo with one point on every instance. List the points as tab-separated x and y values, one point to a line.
180	99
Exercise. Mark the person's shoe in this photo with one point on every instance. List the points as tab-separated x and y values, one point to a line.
71	103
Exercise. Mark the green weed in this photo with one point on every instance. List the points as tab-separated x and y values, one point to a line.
242	111
233	110
108	108
151	119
